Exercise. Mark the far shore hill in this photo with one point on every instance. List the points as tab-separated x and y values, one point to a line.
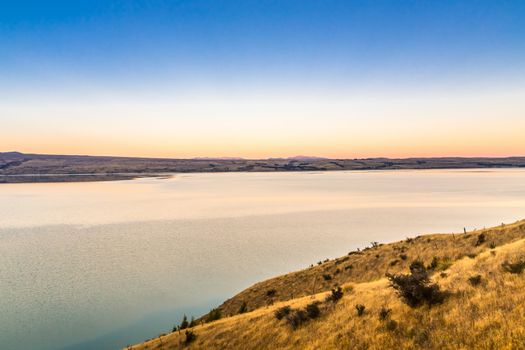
20	167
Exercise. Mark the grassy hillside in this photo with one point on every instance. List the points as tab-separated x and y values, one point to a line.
475	298
20	167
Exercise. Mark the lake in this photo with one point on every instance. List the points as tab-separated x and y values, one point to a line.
104	264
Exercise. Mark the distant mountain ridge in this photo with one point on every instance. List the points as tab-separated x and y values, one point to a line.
21	167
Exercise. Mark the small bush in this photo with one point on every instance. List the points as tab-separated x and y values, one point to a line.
360	309
335	295
439	264
481	239
327	277
281	312
516	267
475	280
243	308
312	310
190	337
393	262
384	313
417	266
492	245
403	256
416	289
184	324
296	318
391	325
193	323
374	244
349	267
271	293
214	315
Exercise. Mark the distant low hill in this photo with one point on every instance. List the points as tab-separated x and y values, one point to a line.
20	167
439	291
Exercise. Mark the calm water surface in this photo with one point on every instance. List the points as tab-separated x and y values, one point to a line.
101	265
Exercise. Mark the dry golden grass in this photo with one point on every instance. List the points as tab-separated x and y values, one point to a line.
489	315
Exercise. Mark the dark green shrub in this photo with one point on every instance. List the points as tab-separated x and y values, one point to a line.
282	311
214	315
327	277
335	295
417	266
492	245
296	318
515	267
271	293
475	280
360	309
481	239
243	308
415	288
439	264
393	262
184	324
190	337
391	325
312	310
384	313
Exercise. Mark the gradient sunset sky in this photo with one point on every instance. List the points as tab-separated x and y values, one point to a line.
257	79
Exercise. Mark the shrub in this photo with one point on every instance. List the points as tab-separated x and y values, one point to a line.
393	262
327	277
192	322
415	288
312	310
403	256
439	264
417	266
374	244
360	309
349	267
384	313
481	239
475	280
271	293
243	308
335	295
391	325
282	311
516	267
296	318
184	324
492	245
214	315
190	336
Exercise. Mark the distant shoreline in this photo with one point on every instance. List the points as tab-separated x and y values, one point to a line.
17	167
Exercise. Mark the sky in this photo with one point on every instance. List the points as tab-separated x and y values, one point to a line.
257	79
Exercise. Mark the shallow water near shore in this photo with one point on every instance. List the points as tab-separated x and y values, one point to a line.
105	264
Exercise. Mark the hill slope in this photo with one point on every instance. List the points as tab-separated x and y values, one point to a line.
20	167
484	305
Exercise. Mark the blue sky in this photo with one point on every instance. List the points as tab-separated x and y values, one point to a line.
77	55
